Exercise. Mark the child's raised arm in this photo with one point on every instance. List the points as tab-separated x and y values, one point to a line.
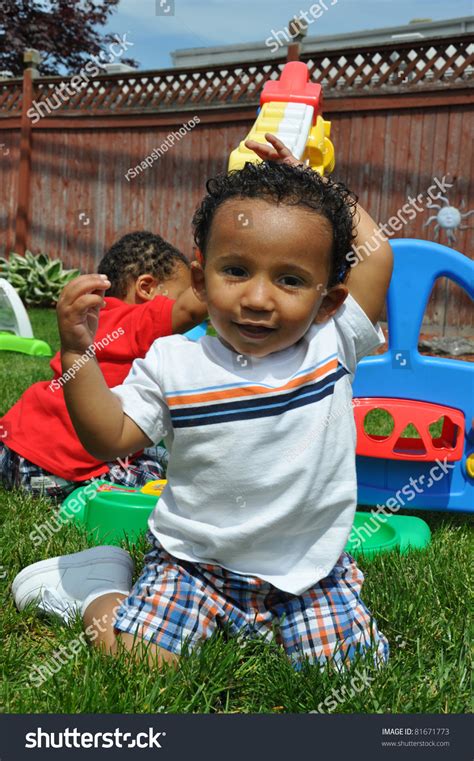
96	413
369	277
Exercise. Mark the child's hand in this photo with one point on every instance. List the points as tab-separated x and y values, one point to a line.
279	152
78	311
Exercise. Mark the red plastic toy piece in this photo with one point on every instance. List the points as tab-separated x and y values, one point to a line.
293	87
114	487
449	445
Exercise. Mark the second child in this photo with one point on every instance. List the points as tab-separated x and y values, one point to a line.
150	296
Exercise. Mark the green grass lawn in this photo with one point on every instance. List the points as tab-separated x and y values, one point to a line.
420	600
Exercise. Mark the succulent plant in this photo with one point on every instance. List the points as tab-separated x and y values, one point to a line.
38	279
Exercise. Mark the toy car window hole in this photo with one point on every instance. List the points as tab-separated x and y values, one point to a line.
444	432
373	420
435	318
410	432
410	441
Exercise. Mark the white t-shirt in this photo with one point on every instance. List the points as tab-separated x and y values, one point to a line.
261	476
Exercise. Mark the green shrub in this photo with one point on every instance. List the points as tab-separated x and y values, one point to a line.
38	279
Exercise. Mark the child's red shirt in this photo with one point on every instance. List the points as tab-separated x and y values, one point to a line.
38	426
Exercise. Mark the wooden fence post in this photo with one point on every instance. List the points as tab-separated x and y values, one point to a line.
298	30
293	53
31	59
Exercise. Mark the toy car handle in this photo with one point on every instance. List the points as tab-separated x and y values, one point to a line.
291	110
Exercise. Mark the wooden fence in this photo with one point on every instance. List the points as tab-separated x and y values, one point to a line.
401	117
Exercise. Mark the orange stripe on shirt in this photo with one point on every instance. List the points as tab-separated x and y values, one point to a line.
235	393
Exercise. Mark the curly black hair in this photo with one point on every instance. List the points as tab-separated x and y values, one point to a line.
291	186
136	254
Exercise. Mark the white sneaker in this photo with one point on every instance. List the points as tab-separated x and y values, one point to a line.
61	585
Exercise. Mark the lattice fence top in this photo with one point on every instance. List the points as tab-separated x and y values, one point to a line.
405	66
393	68
10	97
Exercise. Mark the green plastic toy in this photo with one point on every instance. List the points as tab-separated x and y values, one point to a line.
372	534
16	333
109	512
32	346
112	513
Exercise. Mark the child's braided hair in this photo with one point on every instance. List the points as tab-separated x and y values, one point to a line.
291	186
135	254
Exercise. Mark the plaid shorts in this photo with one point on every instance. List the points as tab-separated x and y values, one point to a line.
176	601
16	472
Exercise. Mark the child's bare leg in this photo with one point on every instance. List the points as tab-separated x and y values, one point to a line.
99	618
98	621
54	588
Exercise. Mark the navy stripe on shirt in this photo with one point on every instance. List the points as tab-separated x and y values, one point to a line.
247	409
